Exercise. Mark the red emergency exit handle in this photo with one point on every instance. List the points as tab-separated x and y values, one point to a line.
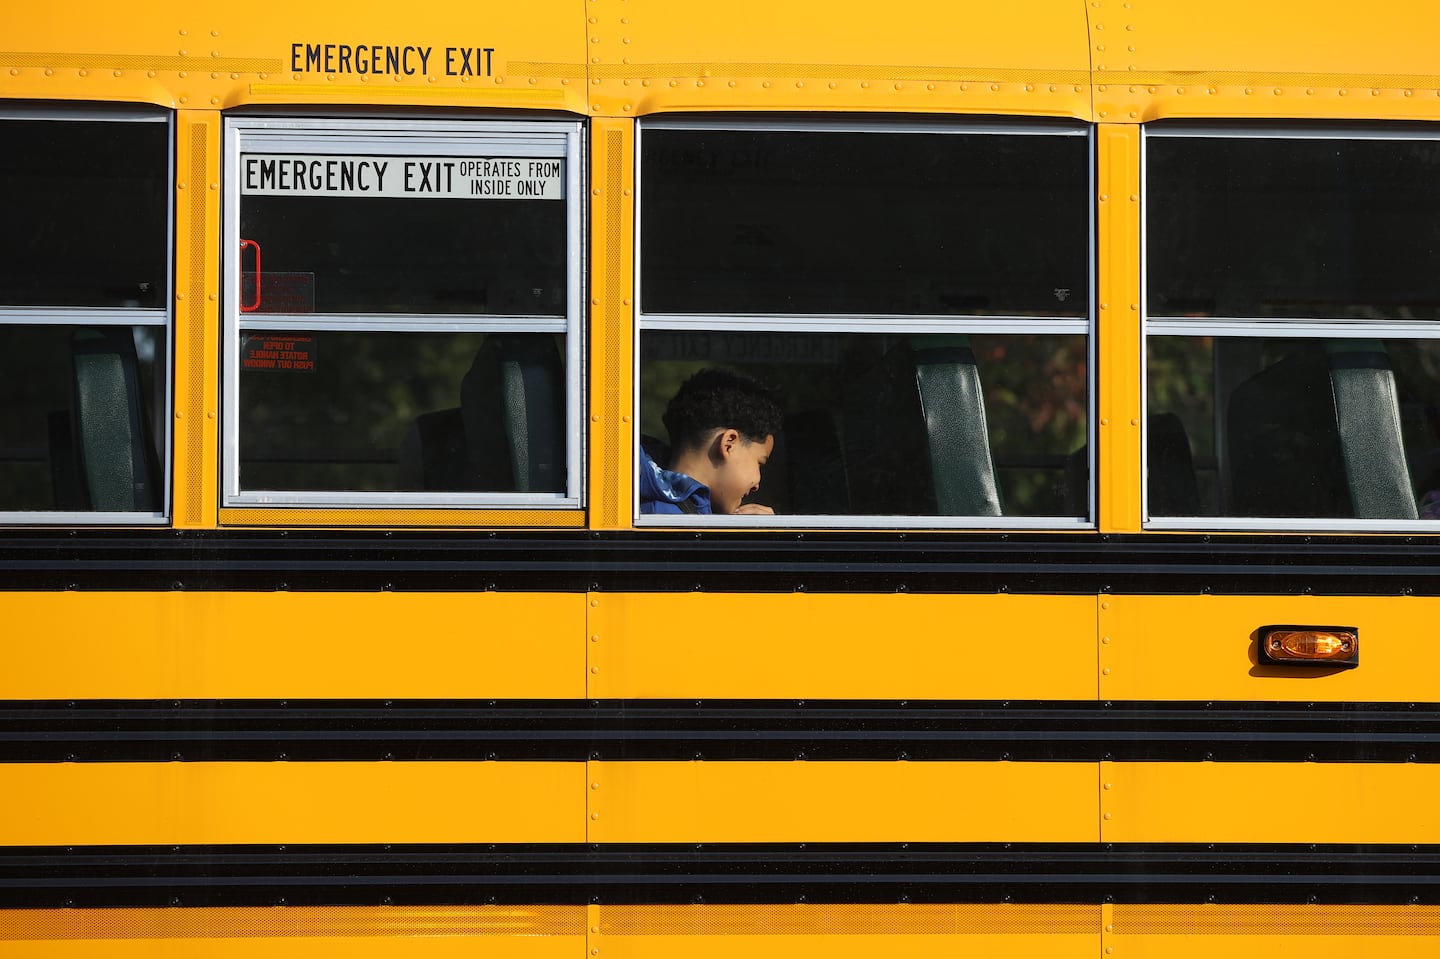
252	307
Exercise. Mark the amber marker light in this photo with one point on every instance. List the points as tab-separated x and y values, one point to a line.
1332	646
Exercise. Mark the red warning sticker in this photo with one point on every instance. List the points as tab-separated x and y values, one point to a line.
278	352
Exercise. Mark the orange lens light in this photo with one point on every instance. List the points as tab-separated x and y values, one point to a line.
1311	645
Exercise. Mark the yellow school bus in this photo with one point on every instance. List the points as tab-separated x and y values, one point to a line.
337	349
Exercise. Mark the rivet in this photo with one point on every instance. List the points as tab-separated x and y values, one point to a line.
1130	26
211	296
179	415
151	73
1029	87
210	415
1103	198
1134	422
624	39
184	33
49	72
627	108
676	83
1109	950
234	76
1374	93
595	192
644	83
1134	89
594	39
731	83
1279	91
1134	197
179	186
699	83
214	33
1103	115
1211	91
625	419
1053	88
594	669
1134	306
1080	87
118	73
1343	92
833	84
593	20
1131	48
766	84
1152	89
1100	47
594	639
184	99
179	296
799	84
15	73
214	76
929	86
183	53
214	53
1134	114
214	101
1104	422
994	88
1409	93
1249	90
594	815
1099	26
594	603
624	19
1109	785
1104	605
1106	641
1180	90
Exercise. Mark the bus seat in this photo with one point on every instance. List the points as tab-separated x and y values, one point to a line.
959	440
1318	434
115	459
1171	486
512	402
434	455
809	465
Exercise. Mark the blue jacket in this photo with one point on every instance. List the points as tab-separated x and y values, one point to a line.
663	491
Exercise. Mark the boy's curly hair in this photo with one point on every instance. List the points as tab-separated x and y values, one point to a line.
716	399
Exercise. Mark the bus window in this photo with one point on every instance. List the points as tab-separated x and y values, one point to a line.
1293	324
918	296
84	316
403	320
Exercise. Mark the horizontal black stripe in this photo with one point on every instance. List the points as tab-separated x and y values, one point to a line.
724	873
741	561
256	730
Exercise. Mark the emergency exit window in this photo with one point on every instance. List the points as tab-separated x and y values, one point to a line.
403	304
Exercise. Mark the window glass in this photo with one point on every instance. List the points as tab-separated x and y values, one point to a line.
86	213
1302	227
1293	347
908	223
83	424
914	297
84	321
1294	427
404	313
369	412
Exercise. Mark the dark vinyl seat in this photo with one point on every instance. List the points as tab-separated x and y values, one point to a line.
957	435
1318	435
102	451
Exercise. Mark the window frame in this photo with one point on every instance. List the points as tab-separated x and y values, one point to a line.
858	323
113	316
1297	328
419	136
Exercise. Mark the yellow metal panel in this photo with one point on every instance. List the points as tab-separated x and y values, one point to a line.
1203	647
1233	58
283	802
1118	345
842	802
402	517
247	53
1314	931
612	270
185	645
503	931
1270	802
653	55
919	930
823	646
197	317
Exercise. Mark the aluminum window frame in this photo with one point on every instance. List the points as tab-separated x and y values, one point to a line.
783	323
407	137
1262	327
113	316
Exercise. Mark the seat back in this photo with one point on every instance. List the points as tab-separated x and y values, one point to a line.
1318	435
953	405
512	402
115	458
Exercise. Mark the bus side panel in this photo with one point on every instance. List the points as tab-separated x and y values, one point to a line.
901	646
283	645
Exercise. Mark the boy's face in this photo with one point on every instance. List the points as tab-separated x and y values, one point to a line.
738	473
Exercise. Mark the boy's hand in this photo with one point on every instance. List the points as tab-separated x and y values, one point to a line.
754	509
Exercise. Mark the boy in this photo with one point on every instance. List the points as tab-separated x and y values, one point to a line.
722	430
